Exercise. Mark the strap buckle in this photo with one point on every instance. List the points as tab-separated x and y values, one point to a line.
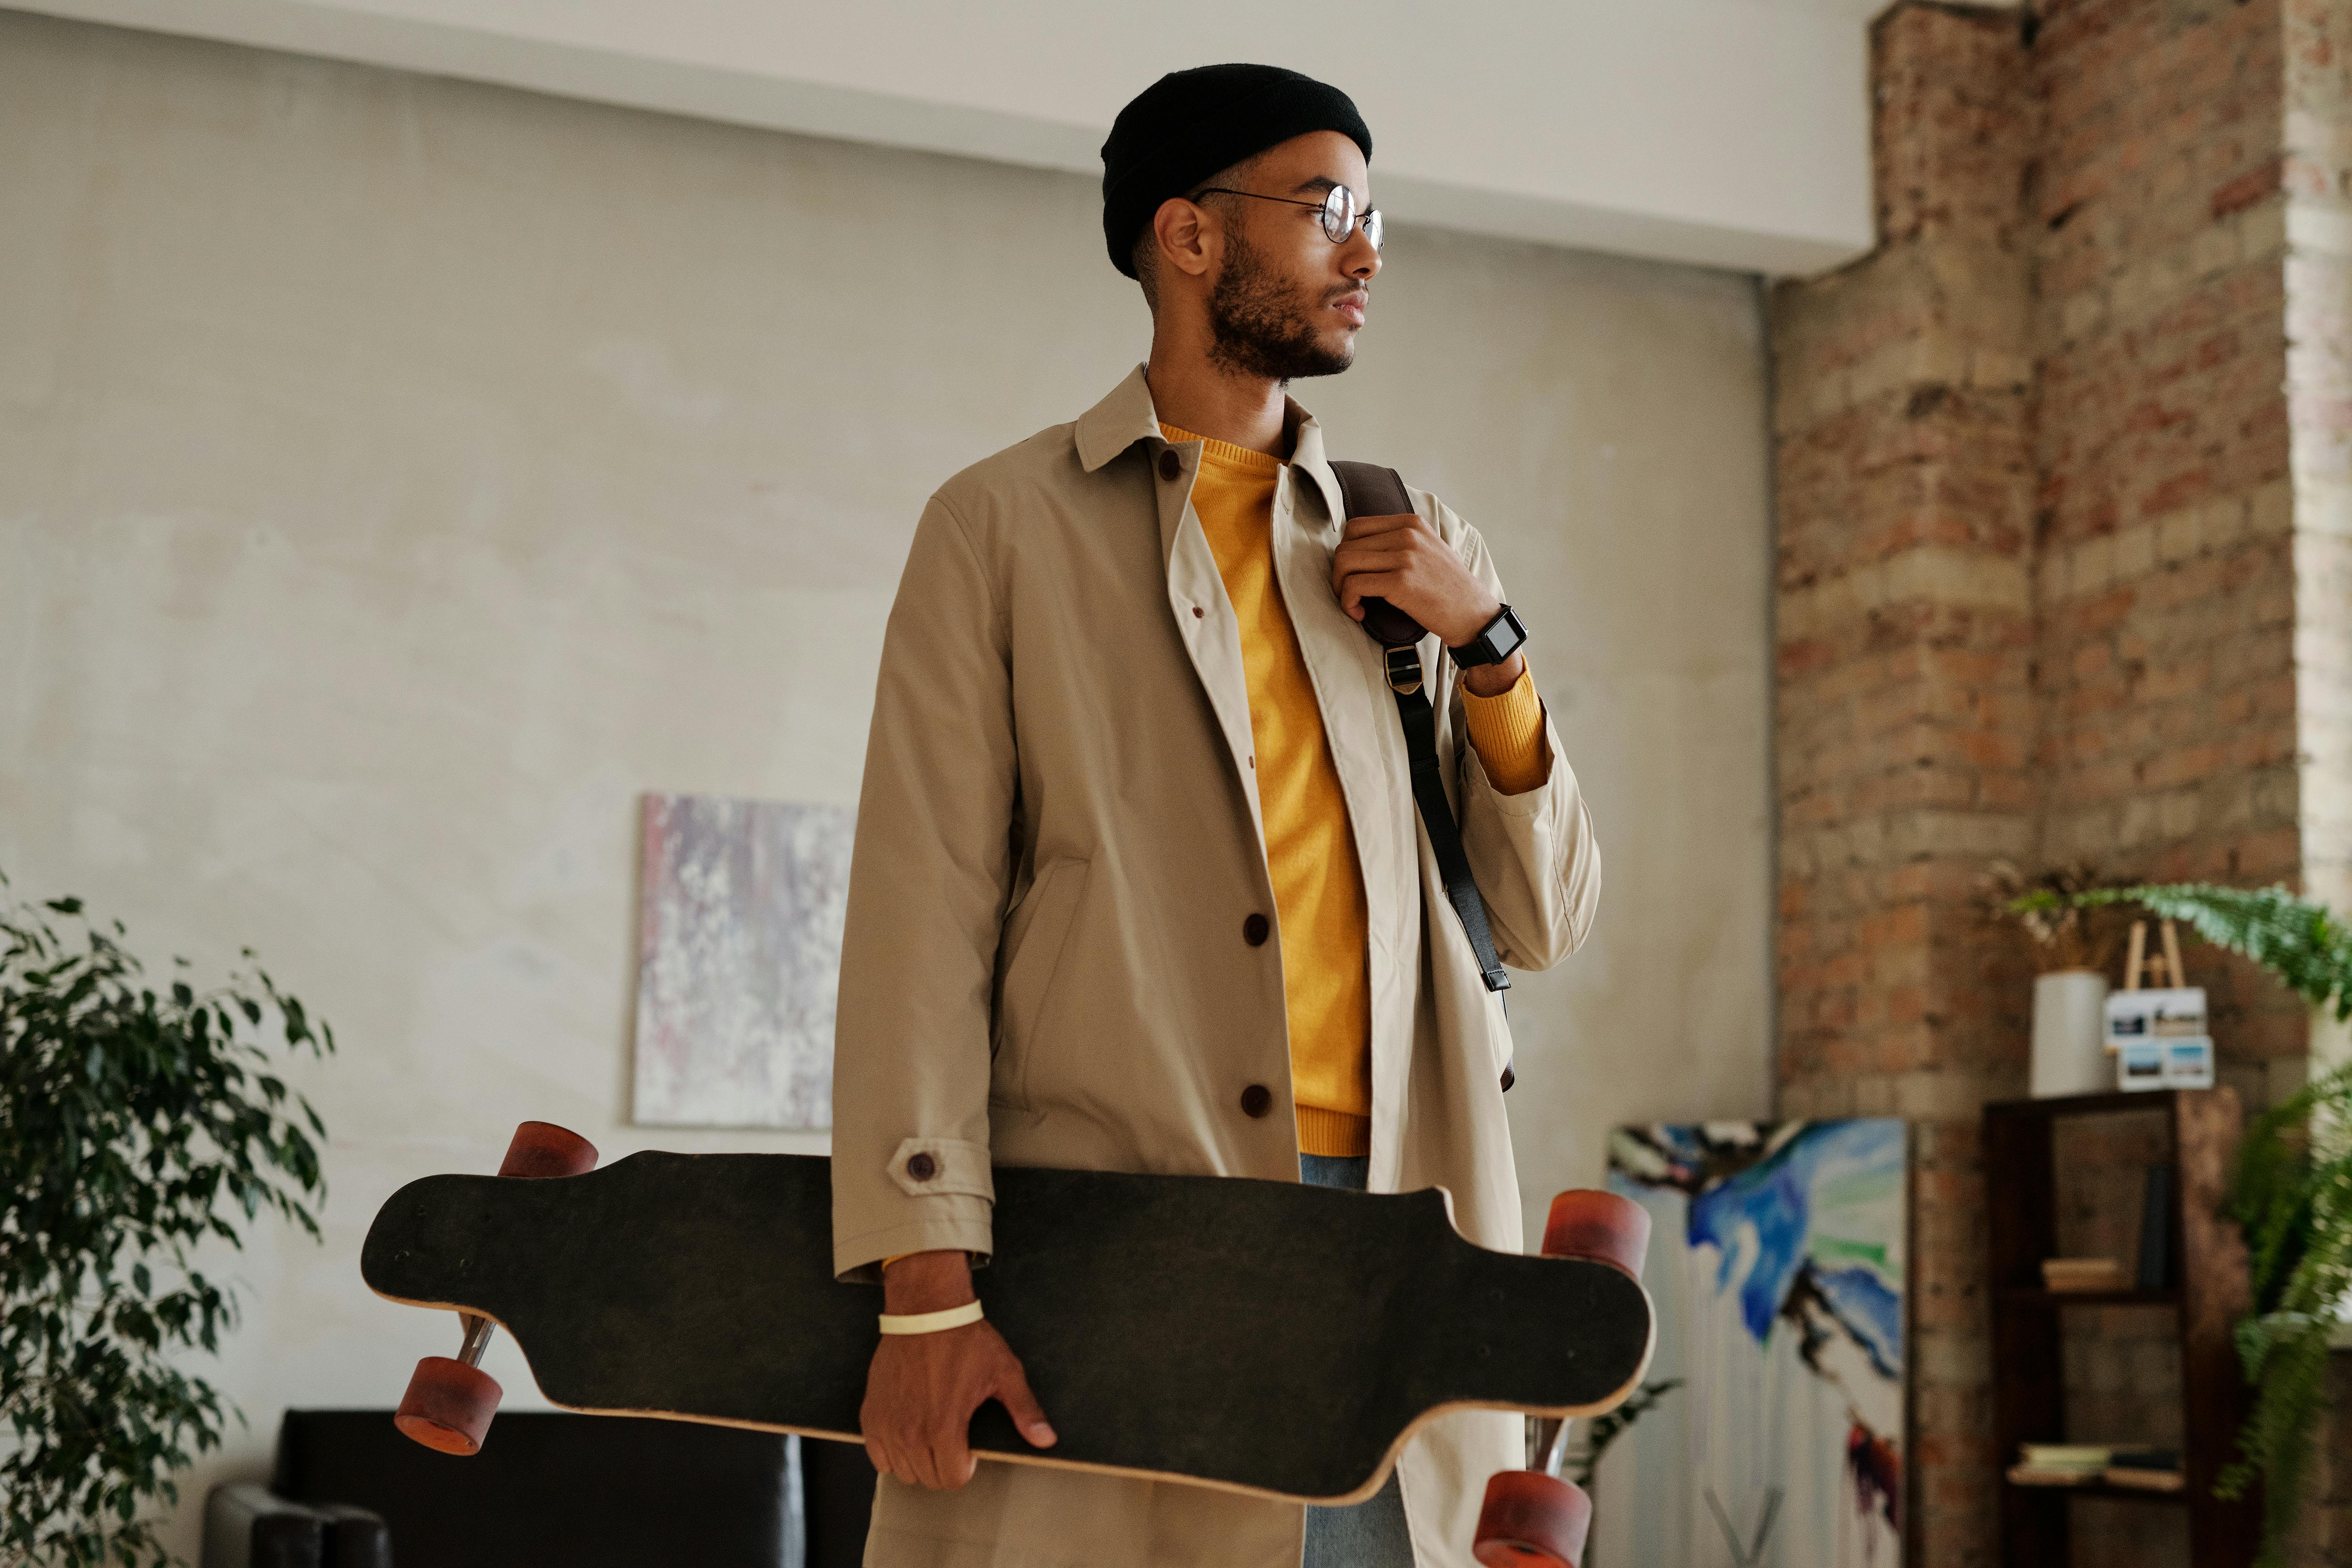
1404	669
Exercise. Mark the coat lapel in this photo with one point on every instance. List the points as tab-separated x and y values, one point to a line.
1197	601
1360	721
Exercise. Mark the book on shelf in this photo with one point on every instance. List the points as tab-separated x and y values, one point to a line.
2155	1271
2044	1476
2135	1465
2146	1480
2090	1456
2083	1274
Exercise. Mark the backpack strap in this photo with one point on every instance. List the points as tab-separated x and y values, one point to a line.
1367	490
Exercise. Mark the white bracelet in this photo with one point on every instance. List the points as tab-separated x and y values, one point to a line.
931	1322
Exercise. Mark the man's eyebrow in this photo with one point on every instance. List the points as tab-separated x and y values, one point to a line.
1323	183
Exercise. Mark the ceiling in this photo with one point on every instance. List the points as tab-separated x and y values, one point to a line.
1731	134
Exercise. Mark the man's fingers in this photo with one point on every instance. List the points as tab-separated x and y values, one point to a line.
926	1465
1363	586
1348	563
1012	1390
1364	527
951	1456
890	1460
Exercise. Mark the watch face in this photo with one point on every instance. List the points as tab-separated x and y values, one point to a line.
1499	640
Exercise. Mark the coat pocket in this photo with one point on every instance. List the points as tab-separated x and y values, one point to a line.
1029	959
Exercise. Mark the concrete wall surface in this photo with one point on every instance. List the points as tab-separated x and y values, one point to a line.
398	475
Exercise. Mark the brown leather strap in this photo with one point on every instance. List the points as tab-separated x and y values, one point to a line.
1371	490
1367	490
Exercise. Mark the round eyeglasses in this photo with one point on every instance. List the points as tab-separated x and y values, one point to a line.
1340	218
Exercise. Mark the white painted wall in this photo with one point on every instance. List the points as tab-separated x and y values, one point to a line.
1727	132
397	476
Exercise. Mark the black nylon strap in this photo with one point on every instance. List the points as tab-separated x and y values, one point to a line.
1369	490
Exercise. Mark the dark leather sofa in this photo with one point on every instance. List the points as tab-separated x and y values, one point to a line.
582	1491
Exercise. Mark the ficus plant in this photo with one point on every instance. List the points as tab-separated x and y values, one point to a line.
137	1121
2292	1191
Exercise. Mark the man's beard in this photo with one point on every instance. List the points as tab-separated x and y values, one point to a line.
1261	325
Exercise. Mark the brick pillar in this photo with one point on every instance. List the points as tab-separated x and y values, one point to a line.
2167	683
2168	606
1905	627
2064	486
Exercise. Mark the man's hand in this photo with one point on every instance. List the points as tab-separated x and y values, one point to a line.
1399	559
921	1389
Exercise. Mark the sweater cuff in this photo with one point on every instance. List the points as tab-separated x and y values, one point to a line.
1507	733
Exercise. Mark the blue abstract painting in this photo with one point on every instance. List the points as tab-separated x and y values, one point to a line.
1778	1267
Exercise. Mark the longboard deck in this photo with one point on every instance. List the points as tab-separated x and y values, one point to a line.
1264	1337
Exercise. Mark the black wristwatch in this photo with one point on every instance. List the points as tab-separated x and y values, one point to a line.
1502	638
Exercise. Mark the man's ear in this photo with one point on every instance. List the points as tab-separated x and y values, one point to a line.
1186	233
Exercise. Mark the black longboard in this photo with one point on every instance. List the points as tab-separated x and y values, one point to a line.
1264	1337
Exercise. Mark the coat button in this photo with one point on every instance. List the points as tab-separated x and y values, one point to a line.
1254	929
1256	1101
1170	465
922	1167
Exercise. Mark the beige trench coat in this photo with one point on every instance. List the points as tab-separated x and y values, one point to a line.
1058	843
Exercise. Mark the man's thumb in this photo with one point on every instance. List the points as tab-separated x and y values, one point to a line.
1013	1389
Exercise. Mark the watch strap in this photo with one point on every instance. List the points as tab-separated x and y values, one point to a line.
1497	640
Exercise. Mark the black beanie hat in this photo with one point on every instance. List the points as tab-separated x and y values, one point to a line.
1189	125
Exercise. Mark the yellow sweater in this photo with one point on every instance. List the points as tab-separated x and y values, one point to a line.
1318	887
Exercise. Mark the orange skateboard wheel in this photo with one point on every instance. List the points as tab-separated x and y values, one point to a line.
544	1149
1601	1227
448	1405
1531	1521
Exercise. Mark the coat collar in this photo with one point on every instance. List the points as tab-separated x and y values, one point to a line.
1126	415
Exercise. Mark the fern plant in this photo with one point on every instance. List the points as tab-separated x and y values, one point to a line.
2293	1196
135	1122
2291	1190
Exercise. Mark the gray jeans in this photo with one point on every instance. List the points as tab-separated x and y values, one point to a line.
1372	1534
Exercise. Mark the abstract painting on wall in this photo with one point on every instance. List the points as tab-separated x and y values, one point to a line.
738	961
1777	1264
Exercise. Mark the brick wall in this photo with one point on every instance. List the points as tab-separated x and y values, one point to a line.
1905	492
2165	570
2061	576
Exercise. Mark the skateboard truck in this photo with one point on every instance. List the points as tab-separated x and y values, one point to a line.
450	1400
1532	1518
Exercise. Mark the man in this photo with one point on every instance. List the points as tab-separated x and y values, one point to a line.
1138	883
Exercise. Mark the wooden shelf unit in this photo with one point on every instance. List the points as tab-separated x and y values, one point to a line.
2210	1264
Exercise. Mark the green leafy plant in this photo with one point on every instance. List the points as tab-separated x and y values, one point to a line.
2292	1191
2291	1194
134	1125
2065	932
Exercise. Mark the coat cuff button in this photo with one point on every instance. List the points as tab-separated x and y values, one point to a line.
922	1167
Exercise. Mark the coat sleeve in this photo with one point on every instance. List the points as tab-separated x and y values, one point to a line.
911	1169
1534	854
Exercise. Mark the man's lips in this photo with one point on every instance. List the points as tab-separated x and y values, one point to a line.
1351	307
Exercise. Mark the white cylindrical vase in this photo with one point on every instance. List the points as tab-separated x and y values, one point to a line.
2070	1051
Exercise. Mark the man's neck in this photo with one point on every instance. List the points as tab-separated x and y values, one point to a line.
1193	394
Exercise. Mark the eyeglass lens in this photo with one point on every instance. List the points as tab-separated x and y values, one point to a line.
1340	218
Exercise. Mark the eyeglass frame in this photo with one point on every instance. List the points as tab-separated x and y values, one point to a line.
1341	201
